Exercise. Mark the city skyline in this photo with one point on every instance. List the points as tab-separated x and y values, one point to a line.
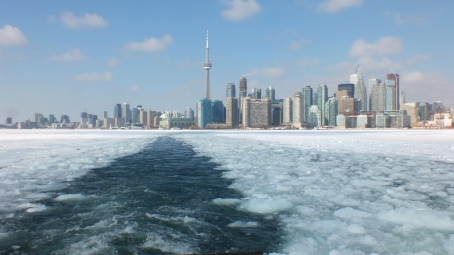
90	66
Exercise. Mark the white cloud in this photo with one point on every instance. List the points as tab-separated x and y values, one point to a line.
332	6
384	46
11	36
240	9
407	19
427	86
88	20
298	44
94	77
151	44
271	72
74	55
418	59
112	61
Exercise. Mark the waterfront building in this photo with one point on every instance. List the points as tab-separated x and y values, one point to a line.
120	122
322	97
377	99
189	113
135	118
204	112
104	114
287	111
390	103
108	122
393	80
306	102
276	112
242	94
341	122
315	116
9	120
382	120
231	112
51	119
126	112
256	112
298	109
217	111
169	123
360	90
331	111
143	117
256	93
117	111
151	115
64	119
93	119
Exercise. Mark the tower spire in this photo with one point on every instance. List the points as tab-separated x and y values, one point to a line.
207	67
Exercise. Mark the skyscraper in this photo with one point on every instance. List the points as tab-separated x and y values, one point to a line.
307	102
331	108
256	93
104	114
322	97
241	94
217	111
207	67
135	115
377	96
117	111
51	119
287	110
203	112
270	93
298	109
230	90
360	90
126	112
349	87
231	112
393	78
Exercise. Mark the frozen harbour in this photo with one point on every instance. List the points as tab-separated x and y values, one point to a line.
322	192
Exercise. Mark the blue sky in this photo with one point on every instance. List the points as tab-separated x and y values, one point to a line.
64	57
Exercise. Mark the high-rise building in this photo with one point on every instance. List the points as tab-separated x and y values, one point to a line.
189	113
217	111
241	94
230	90
287	110
307	102
276	112
390	101
349	87
231	112
126	112
360	90
256	112
393	79
256	93
117	111
150	118
331	111
84	117
93	119
377	95
64	119
315	116
298	109
8	121
270	93
104	114
438	107
207	67
135	115
322	97
51	119
347	105
204	112
143	117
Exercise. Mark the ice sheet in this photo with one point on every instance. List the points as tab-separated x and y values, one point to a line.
343	192
35	164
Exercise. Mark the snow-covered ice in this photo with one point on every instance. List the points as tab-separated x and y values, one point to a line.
343	192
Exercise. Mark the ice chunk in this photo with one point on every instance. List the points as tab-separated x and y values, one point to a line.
243	224
349	212
227	201
70	197
266	206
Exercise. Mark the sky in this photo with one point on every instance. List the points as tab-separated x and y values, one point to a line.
66	57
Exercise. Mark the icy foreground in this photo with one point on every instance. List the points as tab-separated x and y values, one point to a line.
34	163
343	192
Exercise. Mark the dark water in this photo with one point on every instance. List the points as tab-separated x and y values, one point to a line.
158	201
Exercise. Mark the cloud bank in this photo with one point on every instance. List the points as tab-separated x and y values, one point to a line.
151	44
88	20
94	77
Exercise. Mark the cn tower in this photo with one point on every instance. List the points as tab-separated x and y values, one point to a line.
207	67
